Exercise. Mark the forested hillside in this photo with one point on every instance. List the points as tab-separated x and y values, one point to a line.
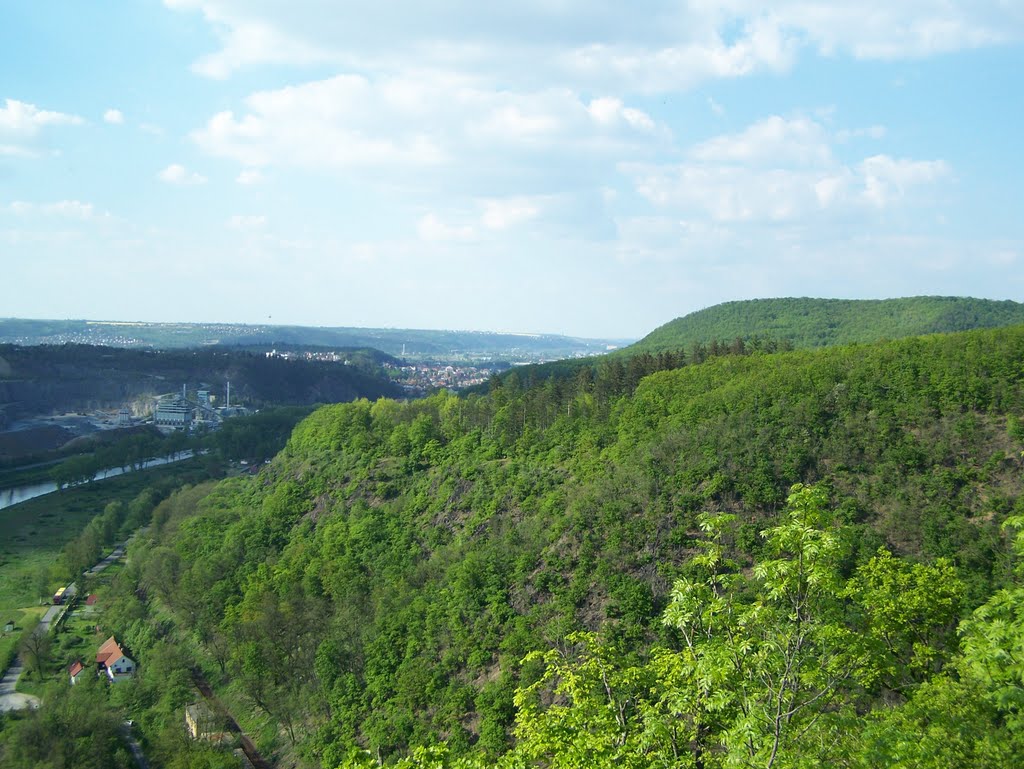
804	323
754	560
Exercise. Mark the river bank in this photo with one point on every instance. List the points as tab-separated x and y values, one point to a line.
18	494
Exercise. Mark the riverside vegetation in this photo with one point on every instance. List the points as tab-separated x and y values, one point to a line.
792	559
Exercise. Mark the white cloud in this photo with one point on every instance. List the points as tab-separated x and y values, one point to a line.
761	46
21	123
887	179
246	223
246	39
592	44
250	176
328	123
178	174
610	111
418	121
113	116
431	228
772	141
779	170
23	120
500	214
66	209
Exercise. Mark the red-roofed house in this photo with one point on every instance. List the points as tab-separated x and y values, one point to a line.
75	671
112	659
91	600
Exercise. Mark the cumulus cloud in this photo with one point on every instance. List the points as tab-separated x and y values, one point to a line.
430	228
178	174
673	44
500	214
250	176
21	124
113	116
779	170
20	119
324	123
417	120
887	179
247	38
609	111
772	141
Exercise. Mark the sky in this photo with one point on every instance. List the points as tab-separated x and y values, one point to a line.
587	167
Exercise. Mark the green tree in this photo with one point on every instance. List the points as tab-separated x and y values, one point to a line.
756	676
34	649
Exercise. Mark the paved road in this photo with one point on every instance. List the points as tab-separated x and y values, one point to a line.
134	747
10	699
118	553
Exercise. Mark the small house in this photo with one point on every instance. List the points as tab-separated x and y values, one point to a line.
202	723
112	660
90	599
75	671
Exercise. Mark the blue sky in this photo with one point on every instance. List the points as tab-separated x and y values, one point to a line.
591	168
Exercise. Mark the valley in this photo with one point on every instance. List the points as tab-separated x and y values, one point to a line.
625	562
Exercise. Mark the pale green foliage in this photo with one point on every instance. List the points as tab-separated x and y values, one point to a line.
764	659
910	612
993	642
594	717
946	723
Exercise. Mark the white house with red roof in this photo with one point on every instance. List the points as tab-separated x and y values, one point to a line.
112	660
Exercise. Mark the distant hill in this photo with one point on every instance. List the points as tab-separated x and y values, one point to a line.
413	343
808	323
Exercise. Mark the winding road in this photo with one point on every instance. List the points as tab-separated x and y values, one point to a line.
9	698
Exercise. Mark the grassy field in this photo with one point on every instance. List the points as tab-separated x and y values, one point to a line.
33	533
24	619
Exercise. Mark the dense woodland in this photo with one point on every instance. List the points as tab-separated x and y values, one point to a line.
752	559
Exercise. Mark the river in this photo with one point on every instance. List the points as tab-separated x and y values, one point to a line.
20	494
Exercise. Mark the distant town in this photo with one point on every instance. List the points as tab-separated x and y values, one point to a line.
416	378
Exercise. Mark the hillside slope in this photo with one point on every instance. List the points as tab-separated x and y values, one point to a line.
807	323
380	583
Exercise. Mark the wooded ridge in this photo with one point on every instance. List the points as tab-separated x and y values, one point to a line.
762	559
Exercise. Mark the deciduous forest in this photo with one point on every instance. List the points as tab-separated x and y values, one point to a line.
755	558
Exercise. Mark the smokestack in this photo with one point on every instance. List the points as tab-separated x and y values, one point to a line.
228	405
